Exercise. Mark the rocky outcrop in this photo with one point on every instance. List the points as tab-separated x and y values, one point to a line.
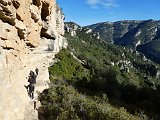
74	29
71	28
31	34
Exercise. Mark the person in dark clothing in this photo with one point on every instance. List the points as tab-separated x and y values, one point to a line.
36	70
32	80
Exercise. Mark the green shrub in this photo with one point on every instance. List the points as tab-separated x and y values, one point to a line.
68	67
63	102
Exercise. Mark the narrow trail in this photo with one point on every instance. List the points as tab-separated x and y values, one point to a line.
31	113
42	62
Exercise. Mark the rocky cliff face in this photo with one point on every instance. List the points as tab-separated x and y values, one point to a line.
31	34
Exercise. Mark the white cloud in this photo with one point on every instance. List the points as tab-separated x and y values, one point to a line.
93	3
105	3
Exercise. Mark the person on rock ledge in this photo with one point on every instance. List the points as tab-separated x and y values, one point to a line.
32	81
32	77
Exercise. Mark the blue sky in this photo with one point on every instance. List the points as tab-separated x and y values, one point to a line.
85	12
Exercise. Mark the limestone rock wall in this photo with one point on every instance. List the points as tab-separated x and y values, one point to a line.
31	32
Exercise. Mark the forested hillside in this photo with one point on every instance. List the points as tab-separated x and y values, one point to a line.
96	80
132	33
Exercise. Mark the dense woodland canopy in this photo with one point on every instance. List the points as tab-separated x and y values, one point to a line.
107	82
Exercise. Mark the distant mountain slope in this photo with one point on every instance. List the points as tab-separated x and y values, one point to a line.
151	50
127	33
144	32
110	31
131	34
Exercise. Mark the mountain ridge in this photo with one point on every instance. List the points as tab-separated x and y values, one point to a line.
129	33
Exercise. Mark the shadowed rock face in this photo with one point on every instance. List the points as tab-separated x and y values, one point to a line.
22	48
151	50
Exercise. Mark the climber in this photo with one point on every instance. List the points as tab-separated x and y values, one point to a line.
36	70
